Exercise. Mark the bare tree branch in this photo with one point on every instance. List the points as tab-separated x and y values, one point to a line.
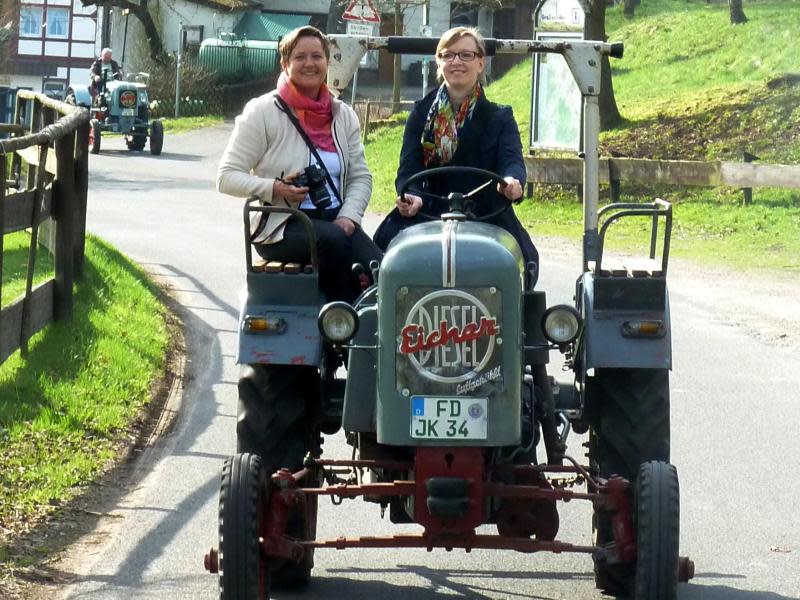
141	11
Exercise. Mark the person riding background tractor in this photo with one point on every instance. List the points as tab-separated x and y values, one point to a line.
104	69
456	125
298	146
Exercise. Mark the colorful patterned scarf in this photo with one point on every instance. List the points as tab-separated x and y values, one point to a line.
315	115
440	135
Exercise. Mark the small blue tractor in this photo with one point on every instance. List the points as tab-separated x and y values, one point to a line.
119	107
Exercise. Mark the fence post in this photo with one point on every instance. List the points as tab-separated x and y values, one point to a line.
3	185
41	182
613	181
366	122
81	174
64	212
36	113
748	192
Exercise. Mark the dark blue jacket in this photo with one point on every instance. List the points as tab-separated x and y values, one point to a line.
489	140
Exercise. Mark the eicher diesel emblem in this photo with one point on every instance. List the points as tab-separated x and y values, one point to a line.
450	336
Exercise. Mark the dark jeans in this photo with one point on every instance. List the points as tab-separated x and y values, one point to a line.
336	251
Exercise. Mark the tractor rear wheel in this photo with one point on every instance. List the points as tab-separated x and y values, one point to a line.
275	404
244	572
630	409
657	532
94	136
156	137
629	413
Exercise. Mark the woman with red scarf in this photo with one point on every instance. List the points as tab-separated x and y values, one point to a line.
456	125
266	152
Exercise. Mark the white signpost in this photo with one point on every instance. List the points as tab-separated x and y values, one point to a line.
361	17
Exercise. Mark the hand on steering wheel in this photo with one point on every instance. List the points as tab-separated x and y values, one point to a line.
512	189
508	188
408	205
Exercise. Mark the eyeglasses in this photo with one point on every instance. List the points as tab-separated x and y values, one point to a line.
463	56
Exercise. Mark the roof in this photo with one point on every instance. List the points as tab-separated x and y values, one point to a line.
229	5
268	26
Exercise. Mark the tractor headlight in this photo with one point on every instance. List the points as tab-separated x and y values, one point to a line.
338	322
561	324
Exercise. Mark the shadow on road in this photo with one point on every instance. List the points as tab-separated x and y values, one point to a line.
474	583
441	583
693	591
199	409
125	153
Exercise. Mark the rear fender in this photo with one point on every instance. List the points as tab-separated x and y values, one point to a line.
82	95
293	302
610	306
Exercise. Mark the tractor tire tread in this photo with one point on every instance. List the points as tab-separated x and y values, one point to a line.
658	532
240	488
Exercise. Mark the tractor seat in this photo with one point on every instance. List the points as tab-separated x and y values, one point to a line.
276	266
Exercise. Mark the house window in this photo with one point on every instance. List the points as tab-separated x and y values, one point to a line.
30	21
54	89
57	22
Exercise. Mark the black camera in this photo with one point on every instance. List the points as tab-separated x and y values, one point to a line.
313	177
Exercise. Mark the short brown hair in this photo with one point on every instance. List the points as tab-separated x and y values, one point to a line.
289	41
456	33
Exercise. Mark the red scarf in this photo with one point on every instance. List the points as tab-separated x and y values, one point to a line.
315	115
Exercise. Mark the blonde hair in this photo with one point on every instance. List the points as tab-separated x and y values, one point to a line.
289	41
456	33
450	37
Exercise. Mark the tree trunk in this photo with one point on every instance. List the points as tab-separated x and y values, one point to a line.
737	12
151	31
398	71
335	11
140	11
595	29
629	6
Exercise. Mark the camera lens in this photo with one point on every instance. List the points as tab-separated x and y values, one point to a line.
317	190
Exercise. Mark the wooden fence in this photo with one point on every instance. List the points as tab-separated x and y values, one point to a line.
674	172
47	175
375	112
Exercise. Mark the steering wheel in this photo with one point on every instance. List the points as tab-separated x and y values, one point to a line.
457	201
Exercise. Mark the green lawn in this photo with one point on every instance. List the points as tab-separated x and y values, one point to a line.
65	409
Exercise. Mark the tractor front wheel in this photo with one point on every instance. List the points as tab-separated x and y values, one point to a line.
156	137
657	532
94	136
244	571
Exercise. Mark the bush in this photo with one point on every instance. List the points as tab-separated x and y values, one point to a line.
201	92
198	89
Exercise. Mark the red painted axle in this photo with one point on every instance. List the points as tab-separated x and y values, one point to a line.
467	542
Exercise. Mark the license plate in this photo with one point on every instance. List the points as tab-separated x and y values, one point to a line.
128	112
446	418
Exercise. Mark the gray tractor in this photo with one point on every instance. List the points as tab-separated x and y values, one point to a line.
119	107
446	400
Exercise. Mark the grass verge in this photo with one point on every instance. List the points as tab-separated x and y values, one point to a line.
66	408
172	125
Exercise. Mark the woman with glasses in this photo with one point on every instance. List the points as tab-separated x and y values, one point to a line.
456	125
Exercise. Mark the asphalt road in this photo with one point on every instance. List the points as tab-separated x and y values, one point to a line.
735	416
